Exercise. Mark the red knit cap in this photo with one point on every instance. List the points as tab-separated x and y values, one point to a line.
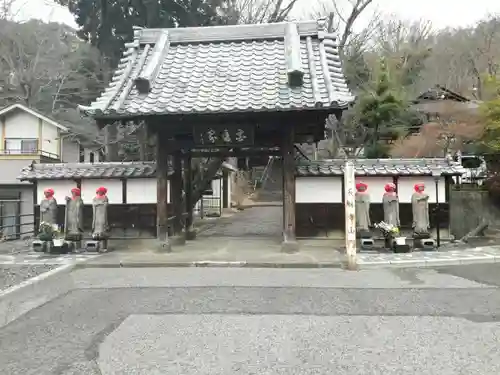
49	191
76	191
419	187
390	188
361	186
102	190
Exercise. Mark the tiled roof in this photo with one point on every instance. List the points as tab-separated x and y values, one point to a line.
220	69
69	171
381	167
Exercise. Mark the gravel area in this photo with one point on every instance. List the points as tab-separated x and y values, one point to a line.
11	275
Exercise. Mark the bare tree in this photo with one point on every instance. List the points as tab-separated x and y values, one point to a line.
7	9
343	17
346	136
259	11
453	126
405	47
31	61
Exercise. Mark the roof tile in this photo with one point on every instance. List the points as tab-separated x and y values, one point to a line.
227	75
68	171
380	167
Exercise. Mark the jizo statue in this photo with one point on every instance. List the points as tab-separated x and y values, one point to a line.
100	228
390	203
73	223
362	199
420	210
48	208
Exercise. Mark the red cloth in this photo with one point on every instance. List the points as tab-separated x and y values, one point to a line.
389	188
101	190
76	191
361	186
419	187
49	192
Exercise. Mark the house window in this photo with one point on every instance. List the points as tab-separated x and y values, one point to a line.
20	146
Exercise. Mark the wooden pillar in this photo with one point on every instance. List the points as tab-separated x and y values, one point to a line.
176	183
290	243
162	194
188	188
225	188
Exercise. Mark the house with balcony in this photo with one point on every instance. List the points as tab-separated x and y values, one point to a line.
28	136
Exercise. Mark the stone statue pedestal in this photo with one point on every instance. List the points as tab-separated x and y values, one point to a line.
365	240
39	246
96	246
423	241
50	247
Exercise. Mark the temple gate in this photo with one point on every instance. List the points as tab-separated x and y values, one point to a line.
225	91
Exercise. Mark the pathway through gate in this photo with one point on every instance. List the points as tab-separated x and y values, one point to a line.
262	216
257	223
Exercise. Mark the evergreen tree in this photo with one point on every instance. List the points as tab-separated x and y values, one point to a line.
384	113
108	24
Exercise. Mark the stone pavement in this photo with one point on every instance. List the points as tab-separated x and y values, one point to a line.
261	321
258	221
245	252
486	254
33	258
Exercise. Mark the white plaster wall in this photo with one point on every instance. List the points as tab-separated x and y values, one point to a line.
375	186
406	184
141	191
115	192
50	138
20	124
62	189
318	189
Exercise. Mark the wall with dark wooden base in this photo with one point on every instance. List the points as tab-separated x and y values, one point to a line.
327	219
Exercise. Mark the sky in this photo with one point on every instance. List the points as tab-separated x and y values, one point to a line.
442	13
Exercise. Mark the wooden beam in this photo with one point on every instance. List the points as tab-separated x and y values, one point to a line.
235	153
290	243
228	33
162	194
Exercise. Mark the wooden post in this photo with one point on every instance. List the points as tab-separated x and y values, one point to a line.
176	182
290	243
162	194
188	188
225	188
350	215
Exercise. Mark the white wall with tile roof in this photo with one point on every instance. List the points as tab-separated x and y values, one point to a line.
406	188
143	191
62	189
115	190
318	190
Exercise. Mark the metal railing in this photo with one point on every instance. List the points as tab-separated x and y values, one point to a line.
29	152
18	228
